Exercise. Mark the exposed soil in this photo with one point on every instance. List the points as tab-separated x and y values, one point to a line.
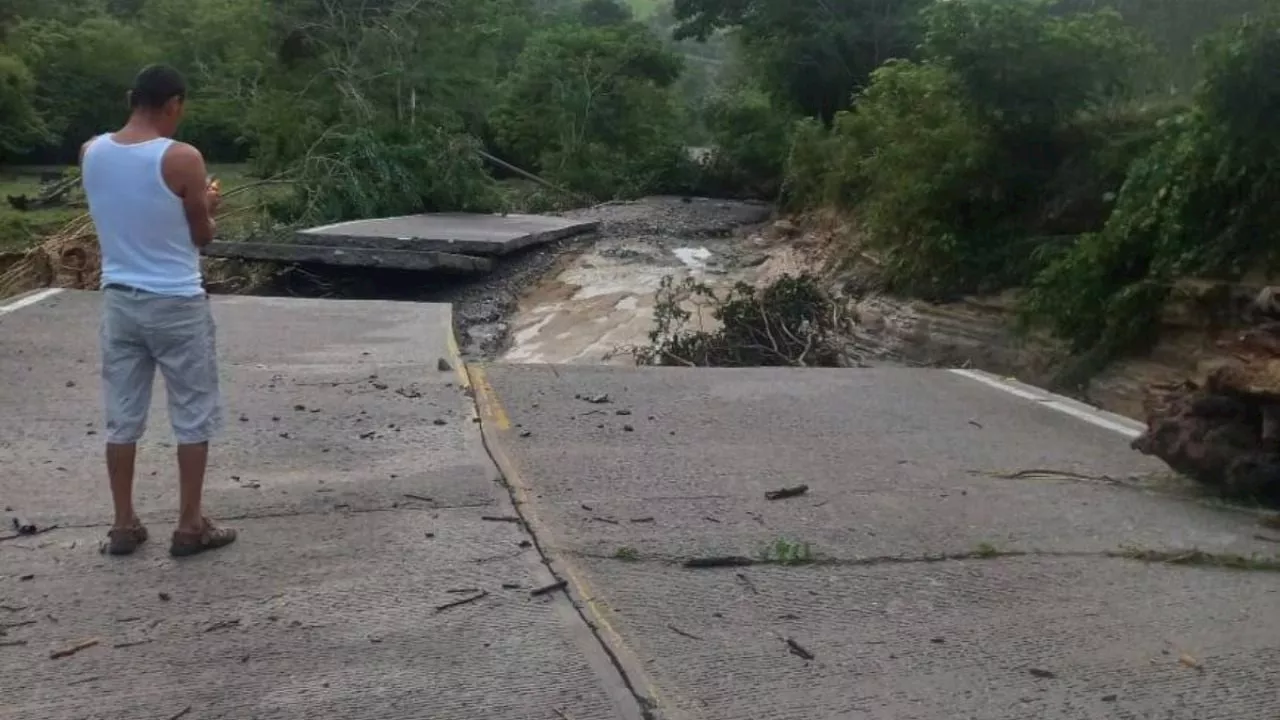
579	299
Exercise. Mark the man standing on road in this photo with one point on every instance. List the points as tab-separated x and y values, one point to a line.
152	205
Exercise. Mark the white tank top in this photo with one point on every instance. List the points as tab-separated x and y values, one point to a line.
142	228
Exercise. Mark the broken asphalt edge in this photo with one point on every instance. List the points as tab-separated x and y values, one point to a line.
644	698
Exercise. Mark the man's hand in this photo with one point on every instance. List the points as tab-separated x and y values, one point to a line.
213	195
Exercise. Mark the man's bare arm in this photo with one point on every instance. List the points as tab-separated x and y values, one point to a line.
187	176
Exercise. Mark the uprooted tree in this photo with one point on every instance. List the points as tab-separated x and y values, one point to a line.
791	322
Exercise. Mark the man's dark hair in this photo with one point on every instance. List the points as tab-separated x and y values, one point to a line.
156	85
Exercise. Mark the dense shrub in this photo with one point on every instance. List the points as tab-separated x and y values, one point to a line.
1204	200
951	161
364	173
749	138
592	108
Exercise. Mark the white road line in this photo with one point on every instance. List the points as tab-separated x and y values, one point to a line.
31	299
1093	416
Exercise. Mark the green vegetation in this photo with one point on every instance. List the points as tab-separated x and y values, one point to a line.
787	552
790	323
362	106
1091	152
1078	149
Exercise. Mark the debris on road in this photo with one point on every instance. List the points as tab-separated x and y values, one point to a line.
600	399
164	596
22	529
463	601
180	713
682	633
419	498
784	493
719	562
68	652
642	520
12	643
500	518
1042	674
443	365
607	520
547	589
1222	433
222	625
798	650
135	643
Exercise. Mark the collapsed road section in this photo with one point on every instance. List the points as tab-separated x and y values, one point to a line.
449	242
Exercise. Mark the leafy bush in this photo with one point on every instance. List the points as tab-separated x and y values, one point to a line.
592	108
750	138
951	161
1026	69
361	173
923	173
1204	200
792	322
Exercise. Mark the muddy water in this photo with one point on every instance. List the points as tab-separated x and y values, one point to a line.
598	303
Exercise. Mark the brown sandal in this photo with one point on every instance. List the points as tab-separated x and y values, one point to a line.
211	537
124	541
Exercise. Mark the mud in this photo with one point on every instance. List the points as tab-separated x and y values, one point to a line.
597	303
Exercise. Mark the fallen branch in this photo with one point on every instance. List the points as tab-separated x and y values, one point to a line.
500	518
719	562
798	650
222	625
784	493
682	633
547	589
68	652
135	643
463	601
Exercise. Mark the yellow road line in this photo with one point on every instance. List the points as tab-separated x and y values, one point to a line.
492	411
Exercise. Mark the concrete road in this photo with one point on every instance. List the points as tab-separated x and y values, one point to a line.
964	549
355	472
961	552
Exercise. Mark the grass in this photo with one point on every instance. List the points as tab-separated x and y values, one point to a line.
20	230
787	552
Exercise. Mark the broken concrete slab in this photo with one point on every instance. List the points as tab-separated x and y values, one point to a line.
349	256
473	234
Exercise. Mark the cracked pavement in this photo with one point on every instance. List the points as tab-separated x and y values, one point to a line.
937	582
920	575
352	466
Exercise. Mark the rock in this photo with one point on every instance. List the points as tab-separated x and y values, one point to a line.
1224	433
443	365
786	227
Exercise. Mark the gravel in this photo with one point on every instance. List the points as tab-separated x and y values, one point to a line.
649	227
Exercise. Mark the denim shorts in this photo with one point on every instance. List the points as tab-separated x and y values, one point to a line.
142	331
